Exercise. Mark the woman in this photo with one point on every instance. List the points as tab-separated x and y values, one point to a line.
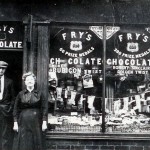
30	113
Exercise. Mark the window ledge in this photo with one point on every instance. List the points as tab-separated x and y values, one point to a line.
106	136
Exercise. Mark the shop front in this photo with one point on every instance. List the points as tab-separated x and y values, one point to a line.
98	81
95	77
92	62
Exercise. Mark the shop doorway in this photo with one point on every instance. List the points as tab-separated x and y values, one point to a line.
14	70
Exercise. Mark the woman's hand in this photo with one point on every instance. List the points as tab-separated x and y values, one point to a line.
44	126
15	128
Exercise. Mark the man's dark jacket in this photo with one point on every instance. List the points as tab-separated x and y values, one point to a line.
7	102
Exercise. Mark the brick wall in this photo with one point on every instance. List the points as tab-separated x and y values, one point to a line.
55	144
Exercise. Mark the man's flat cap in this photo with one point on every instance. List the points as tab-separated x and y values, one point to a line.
3	64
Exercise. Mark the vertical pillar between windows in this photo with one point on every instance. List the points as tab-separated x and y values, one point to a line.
104	79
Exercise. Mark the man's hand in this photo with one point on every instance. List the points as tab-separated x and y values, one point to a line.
44	126
15	128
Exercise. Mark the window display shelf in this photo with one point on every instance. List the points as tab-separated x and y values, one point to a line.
75	128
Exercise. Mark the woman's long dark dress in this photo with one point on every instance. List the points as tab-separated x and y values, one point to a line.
30	110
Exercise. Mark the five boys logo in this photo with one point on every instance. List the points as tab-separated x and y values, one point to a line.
132	47
11	36
76	45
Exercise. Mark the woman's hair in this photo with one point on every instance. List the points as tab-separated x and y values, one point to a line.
28	74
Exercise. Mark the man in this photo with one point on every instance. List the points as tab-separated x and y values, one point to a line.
6	108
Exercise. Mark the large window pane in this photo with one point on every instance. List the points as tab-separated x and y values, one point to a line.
75	78
127	79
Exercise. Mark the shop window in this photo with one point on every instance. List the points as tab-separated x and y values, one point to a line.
127	73
76	80
75	83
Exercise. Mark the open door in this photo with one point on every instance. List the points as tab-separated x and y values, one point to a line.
14	70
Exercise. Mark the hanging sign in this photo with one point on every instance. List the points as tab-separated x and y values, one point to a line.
11	36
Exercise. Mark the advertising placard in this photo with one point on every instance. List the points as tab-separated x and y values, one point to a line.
76	51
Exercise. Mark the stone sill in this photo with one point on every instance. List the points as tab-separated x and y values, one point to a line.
98	136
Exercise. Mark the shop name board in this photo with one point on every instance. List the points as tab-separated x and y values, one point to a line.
10	44
11	36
